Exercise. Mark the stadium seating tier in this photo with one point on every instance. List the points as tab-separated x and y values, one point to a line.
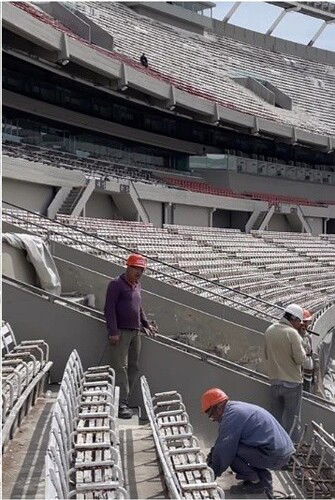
207	65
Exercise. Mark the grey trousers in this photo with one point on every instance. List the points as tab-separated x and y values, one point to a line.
124	358
285	406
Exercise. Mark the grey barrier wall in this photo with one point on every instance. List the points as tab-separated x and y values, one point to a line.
155	286
31	195
16	265
168	368
172	317
162	289
64	328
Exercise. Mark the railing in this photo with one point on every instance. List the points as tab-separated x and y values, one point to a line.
313	463
99	239
194	351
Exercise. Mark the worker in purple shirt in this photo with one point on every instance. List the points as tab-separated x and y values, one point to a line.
125	319
250	441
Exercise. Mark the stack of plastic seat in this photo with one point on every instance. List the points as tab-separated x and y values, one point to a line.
25	368
184	465
83	458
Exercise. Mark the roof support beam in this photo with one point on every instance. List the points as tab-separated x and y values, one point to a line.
280	18
318	33
231	12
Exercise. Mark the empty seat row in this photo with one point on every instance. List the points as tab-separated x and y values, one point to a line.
183	462
25	369
207	261
83	458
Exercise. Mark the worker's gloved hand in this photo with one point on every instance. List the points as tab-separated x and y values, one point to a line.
209	458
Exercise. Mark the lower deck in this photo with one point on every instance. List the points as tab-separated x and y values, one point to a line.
24	470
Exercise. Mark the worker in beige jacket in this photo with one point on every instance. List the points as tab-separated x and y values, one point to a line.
284	354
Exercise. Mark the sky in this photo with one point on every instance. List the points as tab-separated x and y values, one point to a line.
296	27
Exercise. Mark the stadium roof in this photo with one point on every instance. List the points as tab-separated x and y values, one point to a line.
320	10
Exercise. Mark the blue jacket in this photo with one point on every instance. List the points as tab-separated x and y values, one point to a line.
250	425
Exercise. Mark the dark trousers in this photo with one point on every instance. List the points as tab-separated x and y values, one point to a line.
124	358
286	408
251	464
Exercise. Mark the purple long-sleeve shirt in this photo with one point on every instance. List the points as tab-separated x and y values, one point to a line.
123	309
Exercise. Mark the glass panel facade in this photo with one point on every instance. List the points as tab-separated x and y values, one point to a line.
25	128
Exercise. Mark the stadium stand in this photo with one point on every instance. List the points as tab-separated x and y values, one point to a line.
108	130
103	170
94	167
307	83
83	458
253	271
186	473
25	370
204	187
207	65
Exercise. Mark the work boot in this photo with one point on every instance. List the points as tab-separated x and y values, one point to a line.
247	487
125	411
265	477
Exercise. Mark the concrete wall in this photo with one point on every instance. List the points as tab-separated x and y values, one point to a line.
279	222
155	212
191	377
101	205
274	185
166	368
172	317
15	265
36	197
316	225
155	286
191	216
162	289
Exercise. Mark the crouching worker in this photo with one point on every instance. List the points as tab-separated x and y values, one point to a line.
250	442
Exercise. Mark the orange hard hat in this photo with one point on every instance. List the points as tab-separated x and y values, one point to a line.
211	398
136	260
308	316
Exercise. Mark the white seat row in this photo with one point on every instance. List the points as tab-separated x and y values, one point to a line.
184	464
83	458
248	255
25	369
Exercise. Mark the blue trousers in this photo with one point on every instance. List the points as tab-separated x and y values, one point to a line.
285	406
250	463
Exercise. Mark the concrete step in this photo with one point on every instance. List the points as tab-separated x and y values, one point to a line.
143	478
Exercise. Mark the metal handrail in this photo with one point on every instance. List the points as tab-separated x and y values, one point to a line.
117	245
200	354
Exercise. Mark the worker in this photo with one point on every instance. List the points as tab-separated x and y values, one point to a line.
125	318
284	354
308	364
251	442
144	60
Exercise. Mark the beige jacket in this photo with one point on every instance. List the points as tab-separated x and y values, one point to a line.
284	352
